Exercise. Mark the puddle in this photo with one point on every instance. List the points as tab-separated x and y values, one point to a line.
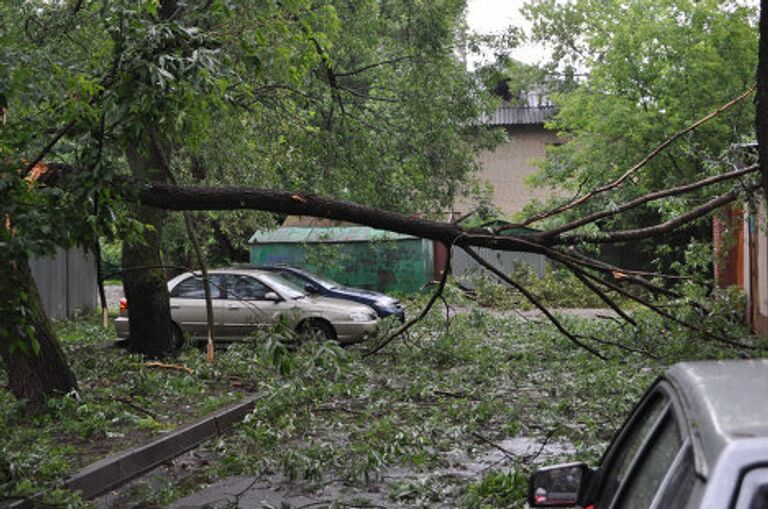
393	488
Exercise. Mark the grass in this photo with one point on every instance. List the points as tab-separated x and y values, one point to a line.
333	421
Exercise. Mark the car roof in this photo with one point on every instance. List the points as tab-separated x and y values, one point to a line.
272	268
723	402
233	270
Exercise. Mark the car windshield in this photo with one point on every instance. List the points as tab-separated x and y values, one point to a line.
283	286
330	284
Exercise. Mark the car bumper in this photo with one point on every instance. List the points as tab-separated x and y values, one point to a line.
397	312
354	332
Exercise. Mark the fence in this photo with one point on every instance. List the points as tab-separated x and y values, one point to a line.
465	269
66	282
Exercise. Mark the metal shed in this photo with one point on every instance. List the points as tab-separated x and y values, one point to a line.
467	270
66	282
357	256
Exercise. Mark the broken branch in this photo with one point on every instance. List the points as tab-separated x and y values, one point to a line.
656	151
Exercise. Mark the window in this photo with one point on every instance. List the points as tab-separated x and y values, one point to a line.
678	488
753	492
637	432
241	287
652	465
760	500
192	288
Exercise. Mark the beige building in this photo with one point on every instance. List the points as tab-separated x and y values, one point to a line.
506	168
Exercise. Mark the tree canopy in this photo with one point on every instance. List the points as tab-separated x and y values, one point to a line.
651	67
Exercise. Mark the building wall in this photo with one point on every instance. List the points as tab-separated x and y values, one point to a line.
507	167
741	258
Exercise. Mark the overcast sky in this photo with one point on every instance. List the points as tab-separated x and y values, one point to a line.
487	16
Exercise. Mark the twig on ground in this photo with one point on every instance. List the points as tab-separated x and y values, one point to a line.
457	395
162	365
493	444
621	346
529	458
136	407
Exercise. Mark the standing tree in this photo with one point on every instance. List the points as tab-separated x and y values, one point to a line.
152	83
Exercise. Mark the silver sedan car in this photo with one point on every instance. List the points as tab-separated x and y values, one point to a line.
247	300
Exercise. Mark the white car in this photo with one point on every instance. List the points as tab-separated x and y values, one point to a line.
246	300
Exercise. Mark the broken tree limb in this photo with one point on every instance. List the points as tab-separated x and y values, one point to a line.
661	312
591	218
405	327
535	301
618	236
576	201
604	297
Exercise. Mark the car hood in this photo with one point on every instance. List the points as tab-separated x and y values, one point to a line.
336	305
367	295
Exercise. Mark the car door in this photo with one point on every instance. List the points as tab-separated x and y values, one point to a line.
246	308
648	453
188	304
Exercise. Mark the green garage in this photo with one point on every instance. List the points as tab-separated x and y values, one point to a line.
356	256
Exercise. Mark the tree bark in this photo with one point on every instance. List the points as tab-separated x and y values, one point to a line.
150	326
761	100
34	361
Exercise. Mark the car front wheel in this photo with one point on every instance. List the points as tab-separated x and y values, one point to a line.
316	329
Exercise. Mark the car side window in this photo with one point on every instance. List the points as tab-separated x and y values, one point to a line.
753	492
192	288
760	499
652	465
240	287
637	432
679	486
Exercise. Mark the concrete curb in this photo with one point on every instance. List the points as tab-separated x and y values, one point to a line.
116	470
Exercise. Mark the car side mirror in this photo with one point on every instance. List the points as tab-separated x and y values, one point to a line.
557	486
272	296
310	288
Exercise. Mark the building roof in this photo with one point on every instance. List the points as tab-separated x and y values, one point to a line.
509	115
298	235
724	401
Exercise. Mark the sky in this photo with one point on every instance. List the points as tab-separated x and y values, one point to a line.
487	16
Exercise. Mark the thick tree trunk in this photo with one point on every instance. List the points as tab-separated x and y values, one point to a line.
32	356
151	330
761	101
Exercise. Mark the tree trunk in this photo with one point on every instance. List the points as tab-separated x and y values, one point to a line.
151	330
31	353
761	100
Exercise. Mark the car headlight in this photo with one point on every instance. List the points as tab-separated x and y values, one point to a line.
361	316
